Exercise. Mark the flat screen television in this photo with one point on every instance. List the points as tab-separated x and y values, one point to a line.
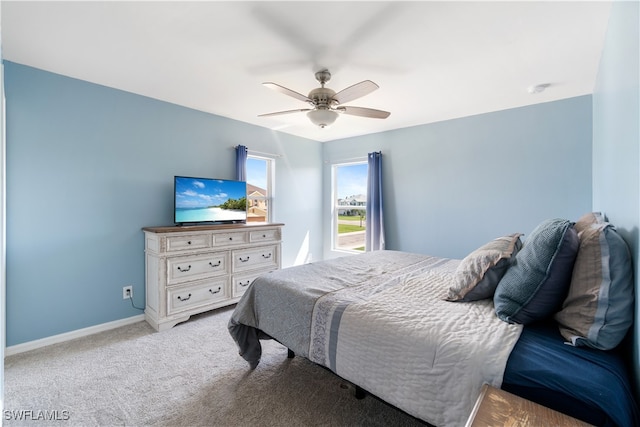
207	200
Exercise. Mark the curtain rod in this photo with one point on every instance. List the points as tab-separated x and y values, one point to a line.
259	153
353	159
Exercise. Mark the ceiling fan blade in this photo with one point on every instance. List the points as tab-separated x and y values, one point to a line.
356	91
286	91
301	110
364	112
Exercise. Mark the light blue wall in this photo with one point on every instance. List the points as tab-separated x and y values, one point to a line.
616	136
451	186
89	166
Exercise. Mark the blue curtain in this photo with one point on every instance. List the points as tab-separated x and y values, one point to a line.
241	163
375	224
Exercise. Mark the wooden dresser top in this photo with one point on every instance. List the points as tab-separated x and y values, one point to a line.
209	227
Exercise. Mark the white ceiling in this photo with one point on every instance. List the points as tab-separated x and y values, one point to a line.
432	60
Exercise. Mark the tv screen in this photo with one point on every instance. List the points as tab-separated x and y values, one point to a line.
206	200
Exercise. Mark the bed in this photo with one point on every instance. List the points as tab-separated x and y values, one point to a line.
424	333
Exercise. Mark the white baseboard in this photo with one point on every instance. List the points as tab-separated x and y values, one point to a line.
55	339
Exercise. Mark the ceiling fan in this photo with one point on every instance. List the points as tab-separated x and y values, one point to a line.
326	104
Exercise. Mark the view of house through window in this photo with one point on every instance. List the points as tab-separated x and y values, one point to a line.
259	188
350	206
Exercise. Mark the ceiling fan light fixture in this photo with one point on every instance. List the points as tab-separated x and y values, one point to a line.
322	117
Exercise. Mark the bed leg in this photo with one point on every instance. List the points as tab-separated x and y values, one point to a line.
360	393
290	354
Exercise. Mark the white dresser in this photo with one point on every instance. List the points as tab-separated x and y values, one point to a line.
191	269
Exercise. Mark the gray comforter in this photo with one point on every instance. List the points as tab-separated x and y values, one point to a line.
280	304
381	320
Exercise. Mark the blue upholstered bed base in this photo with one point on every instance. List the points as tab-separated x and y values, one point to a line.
588	384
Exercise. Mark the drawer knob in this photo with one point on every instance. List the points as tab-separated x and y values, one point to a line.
243	260
184	299
215	265
189	242
215	292
264	236
266	256
243	284
230	238
184	270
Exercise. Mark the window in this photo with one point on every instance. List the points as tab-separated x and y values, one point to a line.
349	206
260	172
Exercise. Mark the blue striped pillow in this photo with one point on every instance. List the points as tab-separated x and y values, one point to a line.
598	310
535	285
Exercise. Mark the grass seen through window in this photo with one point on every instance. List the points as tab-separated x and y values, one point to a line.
348	228
350	223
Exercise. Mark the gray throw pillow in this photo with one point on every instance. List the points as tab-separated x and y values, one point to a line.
479	272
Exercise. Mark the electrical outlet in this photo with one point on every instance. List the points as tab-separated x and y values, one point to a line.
127	292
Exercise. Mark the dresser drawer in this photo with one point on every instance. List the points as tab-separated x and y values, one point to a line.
182	243
197	295
264	257
186	268
240	283
272	235
233	238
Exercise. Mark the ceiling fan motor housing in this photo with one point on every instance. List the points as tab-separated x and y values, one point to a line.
322	97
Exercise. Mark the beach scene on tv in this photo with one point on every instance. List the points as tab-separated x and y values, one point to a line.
209	200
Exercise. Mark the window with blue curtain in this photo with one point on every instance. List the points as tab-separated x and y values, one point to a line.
349	181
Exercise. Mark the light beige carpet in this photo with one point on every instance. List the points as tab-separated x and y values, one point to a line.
190	375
